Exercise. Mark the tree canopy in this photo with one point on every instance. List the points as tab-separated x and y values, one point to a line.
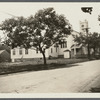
40	31
93	39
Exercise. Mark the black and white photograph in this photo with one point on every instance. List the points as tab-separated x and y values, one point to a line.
49	47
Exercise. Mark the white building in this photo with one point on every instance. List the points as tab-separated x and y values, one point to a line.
22	53
67	49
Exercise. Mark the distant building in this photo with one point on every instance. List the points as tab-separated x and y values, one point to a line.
5	47
80	51
4	53
4	56
83	26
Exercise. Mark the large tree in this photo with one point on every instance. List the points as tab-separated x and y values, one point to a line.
40	31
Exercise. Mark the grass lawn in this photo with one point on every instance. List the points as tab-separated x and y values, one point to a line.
36	65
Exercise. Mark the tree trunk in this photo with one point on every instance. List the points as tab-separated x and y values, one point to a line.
88	44
94	51
43	53
44	58
99	51
88	51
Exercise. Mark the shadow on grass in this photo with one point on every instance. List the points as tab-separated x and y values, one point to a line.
40	67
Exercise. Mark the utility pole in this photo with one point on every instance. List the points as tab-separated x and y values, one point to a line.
87	10
88	45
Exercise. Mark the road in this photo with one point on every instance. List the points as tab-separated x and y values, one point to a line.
78	78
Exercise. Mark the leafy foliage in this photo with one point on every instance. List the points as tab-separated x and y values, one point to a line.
16	33
40	31
93	39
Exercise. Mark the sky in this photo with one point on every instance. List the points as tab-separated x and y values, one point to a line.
71	10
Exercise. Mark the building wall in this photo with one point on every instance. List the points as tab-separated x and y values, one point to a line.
53	51
57	51
80	52
69	41
67	54
31	54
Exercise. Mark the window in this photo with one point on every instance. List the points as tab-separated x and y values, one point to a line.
51	50
65	44
82	25
20	51
26	51
77	50
56	49
14	52
37	51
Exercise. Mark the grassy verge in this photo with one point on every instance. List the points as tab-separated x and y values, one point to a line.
7	68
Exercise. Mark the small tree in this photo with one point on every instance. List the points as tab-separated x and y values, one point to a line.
83	39
99	43
93	41
40	31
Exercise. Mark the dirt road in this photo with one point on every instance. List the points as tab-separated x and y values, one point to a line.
64	80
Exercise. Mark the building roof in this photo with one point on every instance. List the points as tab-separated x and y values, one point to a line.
66	50
76	46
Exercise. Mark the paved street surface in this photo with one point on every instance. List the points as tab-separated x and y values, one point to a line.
78	78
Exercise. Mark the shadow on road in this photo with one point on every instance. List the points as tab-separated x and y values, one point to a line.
40	67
